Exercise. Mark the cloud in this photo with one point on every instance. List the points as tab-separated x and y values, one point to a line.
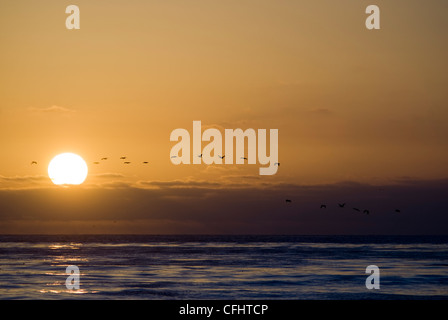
52	109
23	178
107	175
180	184
21	182
223	182
203	207
95	180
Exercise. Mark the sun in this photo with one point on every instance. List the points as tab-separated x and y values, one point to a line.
67	168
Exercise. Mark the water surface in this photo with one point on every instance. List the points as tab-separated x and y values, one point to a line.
223	267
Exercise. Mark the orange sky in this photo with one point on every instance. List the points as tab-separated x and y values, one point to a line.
350	104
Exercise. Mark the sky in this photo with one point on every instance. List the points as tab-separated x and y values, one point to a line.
361	115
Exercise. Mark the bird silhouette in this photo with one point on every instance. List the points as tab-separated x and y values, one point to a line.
103	158
323	206
173	156
122	158
200	156
341	205
356	209
397	210
366	211
244	158
277	163
127	162
145	162
96	162
33	162
222	157
288	200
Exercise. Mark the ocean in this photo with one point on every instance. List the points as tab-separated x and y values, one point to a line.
186	267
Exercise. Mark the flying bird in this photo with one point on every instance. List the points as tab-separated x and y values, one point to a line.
145	162
221	157
173	156
96	162
366	211
103	158
288	200
122	158
277	163
356	209
127	162
200	156
244	158
323	206
341	205
397	210
33	162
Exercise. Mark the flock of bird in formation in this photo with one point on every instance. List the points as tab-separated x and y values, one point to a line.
121	158
103	159
342	205
146	162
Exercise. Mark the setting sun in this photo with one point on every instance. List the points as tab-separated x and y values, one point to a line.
67	168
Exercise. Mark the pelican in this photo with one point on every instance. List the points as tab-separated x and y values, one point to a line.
323	206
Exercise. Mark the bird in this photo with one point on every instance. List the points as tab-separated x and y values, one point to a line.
127	162
33	162
341	205
145	162
222	157
366	211
323	206
200	156
96	162
122	158
397	210
173	156
277	163
244	158
288	200
103	158
356	209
